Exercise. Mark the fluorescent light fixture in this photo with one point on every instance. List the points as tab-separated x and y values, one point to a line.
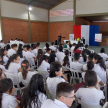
30	8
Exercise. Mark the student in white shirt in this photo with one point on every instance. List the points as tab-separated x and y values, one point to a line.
90	95
43	64
60	55
67	43
25	75
100	67
1	73
2	45
73	47
76	65
35	50
52	47
48	52
81	47
34	96
13	64
12	50
46	46
56	76
52	57
102	54
64	97
24	50
6	94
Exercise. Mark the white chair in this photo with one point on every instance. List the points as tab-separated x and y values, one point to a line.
92	51
105	105
76	75
107	74
10	106
43	73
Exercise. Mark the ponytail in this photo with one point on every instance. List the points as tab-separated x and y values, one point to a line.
0	100
84	56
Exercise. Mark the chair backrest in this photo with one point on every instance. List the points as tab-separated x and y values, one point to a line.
92	51
65	68
43	73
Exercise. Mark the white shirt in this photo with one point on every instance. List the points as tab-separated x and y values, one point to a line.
28	54
35	51
103	55
5	59
11	52
76	66
72	48
53	48
106	63
44	66
47	54
13	68
52	84
21	59
81	60
20	42
3	68
67	46
2	45
90	96
101	73
53	104
23	53
60	56
28	77
8	100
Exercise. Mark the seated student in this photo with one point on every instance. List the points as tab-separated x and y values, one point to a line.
73	47
89	58
13	64
87	50
52	57
90	95
90	66
2	45
46	46
43	64
34	96
48	51
35	50
76	65
102	53
67	43
12	50
7	47
60	55
100	67
52	47
56	76
24	50
81	47
76	49
83	59
67	60
6	97
25	75
64	97
1	74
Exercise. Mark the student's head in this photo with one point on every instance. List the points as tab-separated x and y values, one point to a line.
20	47
7	47
66	58
76	47
102	50
52	57
16	39
76	56
74	44
1	41
28	48
90	57
90	65
3	51
48	50
31	93
65	93
14	46
67	42
35	46
1	74
55	70
25	67
38	44
86	46
25	47
22	40
40	52
81	44
47	45
60	48
90	78
52	43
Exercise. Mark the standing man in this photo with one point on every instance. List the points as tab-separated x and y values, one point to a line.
59	39
83	40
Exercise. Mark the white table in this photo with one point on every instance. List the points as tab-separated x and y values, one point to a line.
65	41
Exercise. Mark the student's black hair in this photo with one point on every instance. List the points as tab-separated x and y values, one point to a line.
6	85
86	46
100	61
90	57
64	89
81	44
47	45
44	57
38	44
66	59
90	78
25	46
84	56
30	96
90	65
52	57
67	42
48	49
76	47
60	48
74	44
76	56
34	46
7	47
1	71
28	47
52	43
102	50
40	54
14	56
54	67
13	45
1	40
21	39
20	47
1	55
15	38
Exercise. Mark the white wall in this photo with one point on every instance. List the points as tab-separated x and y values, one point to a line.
63	6
16	10
91	6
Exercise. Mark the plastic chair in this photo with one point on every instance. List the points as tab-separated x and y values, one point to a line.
92	51
44	73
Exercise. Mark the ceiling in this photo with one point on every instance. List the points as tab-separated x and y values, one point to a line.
46	4
96	18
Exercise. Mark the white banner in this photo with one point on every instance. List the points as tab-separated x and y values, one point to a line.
71	37
98	37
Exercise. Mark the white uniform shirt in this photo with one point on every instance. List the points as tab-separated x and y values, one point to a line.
44	66
52	84
101	73
106	63
47	54
53	48
28	77
23	53
13	68
67	46
53	104
60	56
28	54
103	55
76	66
2	45
8	100
5	59
11	52
90	96
3	68
35	51
81	60
72	48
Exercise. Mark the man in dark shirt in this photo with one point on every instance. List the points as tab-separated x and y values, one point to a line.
87	50
59	39
83	40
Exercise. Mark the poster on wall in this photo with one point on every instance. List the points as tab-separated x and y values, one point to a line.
98	37
71	36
